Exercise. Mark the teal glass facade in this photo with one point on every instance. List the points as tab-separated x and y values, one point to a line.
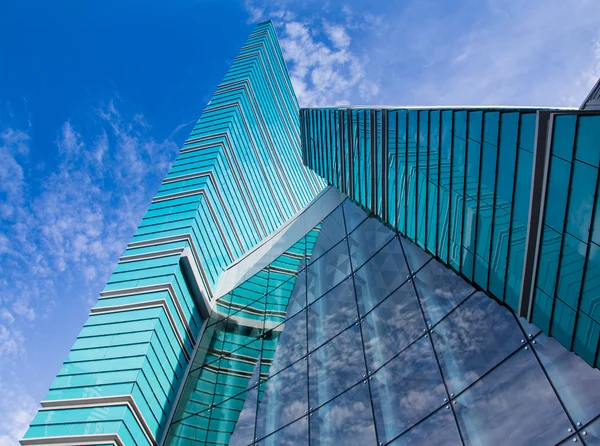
461	183
349	276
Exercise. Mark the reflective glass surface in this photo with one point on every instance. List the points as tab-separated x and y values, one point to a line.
348	419
381	275
518	394
430	361
406	390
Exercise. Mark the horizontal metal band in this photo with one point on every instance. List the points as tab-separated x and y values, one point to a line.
168	287
187	193
189	176
118	400
151	304
194	251
79	440
151	255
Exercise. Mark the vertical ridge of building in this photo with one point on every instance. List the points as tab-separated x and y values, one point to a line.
238	177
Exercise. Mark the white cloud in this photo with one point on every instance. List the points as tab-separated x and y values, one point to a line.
337	34
408	53
18	408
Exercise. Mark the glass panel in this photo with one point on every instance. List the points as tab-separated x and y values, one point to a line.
392	326
346	420
513	405
473	339
335	366
330	314
380	276
328	271
581	200
290	341
292	435
331	231
366	240
232	422
530	329
415	255
591	433
577	384
438	429
353	215
298	298
440	290
588	135
283	399
406	390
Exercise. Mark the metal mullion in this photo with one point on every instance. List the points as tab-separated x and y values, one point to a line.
350	155
439	187
385	180
450	186
493	225
477	217
464	204
364	156
373	156
327	145
322	146
417	176
535	230
396	211
340	133
428	150
428	335
512	207
359	323
406	175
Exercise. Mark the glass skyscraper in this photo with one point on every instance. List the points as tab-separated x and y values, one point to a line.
332	276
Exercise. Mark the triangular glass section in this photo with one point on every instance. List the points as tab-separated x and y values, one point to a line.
513	404
353	215
366	240
381	275
438	429
473	339
415	255
331	232
577	384
440	290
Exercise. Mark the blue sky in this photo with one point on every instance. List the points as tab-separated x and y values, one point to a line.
97	97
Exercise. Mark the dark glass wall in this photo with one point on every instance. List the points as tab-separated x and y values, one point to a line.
459	183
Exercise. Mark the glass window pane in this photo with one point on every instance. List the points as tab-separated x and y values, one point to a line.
366	240
353	215
440	290
331	232
335	366
392	326
346	420
406	390
332	313
473	339
292	435
243	427
381	275
415	255
513	405
290	341
577	384
282	399
328	271
438	429
588	135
